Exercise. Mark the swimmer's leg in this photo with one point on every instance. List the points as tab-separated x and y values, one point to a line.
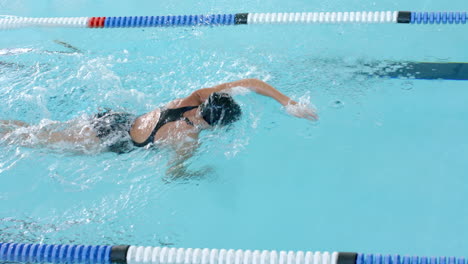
78	138
14	122
7	126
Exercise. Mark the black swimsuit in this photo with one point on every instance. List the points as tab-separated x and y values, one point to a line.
167	115
113	128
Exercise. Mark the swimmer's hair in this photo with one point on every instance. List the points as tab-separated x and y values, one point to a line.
220	109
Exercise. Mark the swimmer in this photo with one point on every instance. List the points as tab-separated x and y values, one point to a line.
176	125
17	51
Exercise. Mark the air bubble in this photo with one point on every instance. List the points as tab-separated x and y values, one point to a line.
337	104
408	85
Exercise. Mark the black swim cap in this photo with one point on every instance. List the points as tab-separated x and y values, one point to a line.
220	109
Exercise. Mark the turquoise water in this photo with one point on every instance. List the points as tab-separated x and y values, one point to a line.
382	171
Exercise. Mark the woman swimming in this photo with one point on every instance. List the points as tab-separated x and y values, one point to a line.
176	125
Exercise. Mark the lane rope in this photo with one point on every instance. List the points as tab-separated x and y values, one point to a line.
42	253
398	17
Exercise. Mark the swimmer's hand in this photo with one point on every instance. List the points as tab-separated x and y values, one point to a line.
301	110
184	146
180	171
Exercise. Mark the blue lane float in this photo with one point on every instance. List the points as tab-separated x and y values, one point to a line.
397	259
438	17
44	253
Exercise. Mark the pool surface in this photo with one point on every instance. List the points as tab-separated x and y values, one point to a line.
384	170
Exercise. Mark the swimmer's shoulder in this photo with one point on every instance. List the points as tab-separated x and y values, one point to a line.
144	124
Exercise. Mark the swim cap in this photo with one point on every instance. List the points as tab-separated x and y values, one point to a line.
220	109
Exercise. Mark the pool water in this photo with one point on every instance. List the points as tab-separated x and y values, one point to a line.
384	170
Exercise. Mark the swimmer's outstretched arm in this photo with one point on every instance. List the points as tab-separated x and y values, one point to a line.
255	85
260	87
